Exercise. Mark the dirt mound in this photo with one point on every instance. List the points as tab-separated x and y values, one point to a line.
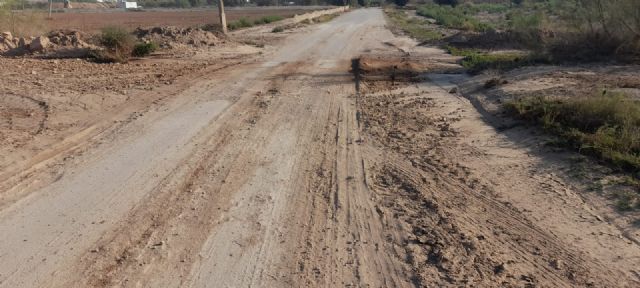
375	72
57	44
68	38
172	37
8	42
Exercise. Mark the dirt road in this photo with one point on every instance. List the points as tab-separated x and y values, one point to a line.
285	172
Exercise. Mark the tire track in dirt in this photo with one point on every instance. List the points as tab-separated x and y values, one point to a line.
339	237
239	177
154	240
48	166
460	234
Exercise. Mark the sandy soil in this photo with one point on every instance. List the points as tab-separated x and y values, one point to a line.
294	167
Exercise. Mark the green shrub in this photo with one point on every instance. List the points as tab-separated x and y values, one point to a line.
240	23
527	28
476	60
414	27
597	29
245	23
144	49
277	29
450	17
267	19
118	44
115	37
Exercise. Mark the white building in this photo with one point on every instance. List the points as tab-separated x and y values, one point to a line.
127	5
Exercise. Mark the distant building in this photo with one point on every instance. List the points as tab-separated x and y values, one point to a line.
127	5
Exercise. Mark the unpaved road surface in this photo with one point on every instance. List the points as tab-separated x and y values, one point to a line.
289	171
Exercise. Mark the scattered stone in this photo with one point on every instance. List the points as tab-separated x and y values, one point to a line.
7	42
500	268
23	42
556	264
7	36
493	82
40	44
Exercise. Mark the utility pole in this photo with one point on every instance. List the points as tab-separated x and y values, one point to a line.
50	7
223	18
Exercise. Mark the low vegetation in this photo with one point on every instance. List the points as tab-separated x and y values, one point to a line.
415	28
267	19
118	45
457	17
606	125
319	19
21	23
144	49
556	31
476	61
596	30
245	22
239	24
325	18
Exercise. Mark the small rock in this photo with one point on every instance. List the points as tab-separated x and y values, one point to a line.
23	42
556	264
40	44
416	255
7	36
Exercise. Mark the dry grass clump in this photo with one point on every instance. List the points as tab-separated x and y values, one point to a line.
415	28
597	30
22	23
118	45
606	125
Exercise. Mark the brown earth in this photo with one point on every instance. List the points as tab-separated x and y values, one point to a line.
80	5
92	22
335	154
